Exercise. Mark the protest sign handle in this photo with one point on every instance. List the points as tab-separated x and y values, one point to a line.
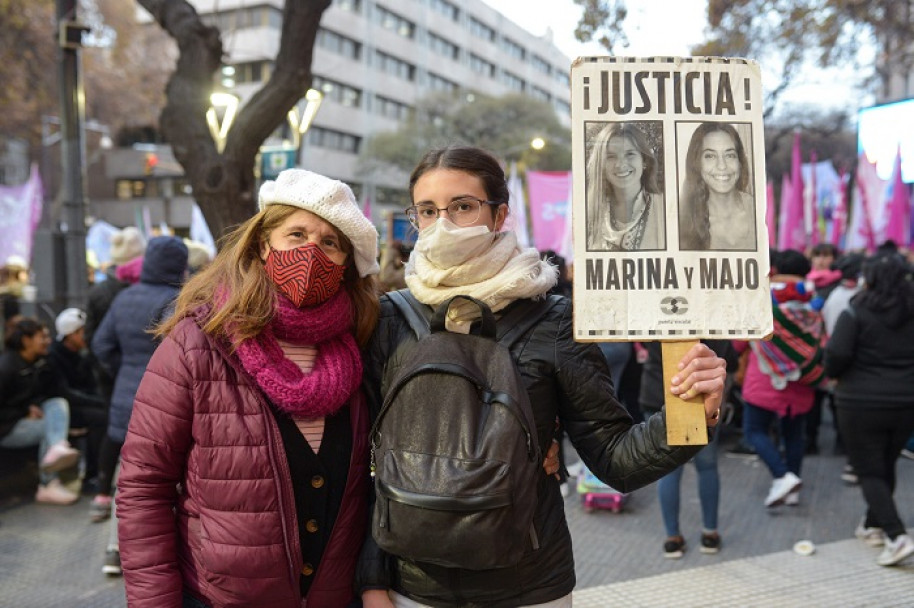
685	418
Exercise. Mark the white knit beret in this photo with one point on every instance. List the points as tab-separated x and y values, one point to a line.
333	201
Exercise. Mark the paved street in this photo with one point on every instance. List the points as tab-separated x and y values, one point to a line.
52	556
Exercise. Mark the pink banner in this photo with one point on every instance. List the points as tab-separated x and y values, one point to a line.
769	214
20	212
793	231
549	193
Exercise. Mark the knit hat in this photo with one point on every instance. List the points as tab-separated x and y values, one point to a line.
127	244
197	255
68	321
334	202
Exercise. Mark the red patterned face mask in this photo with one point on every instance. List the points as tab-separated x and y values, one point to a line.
305	275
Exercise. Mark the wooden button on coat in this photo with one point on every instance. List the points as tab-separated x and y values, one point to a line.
317	481
311	525
307	569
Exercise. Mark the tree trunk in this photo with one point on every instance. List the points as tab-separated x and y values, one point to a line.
223	184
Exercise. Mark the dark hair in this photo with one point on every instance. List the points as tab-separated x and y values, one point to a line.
792	262
469	159
25	327
850	265
694	217
823	249
888	289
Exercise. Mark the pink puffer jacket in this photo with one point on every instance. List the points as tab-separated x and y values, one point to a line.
204	499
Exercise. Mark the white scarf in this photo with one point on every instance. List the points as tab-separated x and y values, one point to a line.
496	274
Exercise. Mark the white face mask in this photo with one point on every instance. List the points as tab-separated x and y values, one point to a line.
445	244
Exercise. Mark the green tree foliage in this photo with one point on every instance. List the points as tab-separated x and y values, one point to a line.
874	36
603	21
504	125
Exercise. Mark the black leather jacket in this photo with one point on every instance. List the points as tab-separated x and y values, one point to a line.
567	381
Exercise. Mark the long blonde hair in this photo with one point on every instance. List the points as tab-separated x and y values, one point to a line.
241	296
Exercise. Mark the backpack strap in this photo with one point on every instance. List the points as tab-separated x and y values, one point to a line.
417	314
522	317
510	327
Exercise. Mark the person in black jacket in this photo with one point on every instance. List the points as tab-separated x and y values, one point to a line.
123	345
32	411
73	369
460	202
871	355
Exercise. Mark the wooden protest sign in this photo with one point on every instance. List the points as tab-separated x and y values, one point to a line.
668	208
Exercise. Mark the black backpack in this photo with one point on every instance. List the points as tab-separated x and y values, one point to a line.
454	450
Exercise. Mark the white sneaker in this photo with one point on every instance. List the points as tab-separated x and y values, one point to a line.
874	537
781	487
55	494
59	456
896	551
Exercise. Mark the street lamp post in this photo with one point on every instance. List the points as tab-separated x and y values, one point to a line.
72	149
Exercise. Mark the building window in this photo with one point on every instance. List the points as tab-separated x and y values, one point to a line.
394	22
541	64
341	45
538	93
443	47
390	108
243	18
255	71
337	91
562	107
513	81
334	140
513	49
481	30
447	9
481	66
353	6
439	83
561	77
395	67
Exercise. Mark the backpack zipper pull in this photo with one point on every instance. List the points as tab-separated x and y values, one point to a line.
371	466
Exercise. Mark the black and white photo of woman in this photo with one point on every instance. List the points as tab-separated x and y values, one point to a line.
716	206
625	207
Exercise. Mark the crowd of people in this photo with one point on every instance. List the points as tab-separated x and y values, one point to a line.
233	412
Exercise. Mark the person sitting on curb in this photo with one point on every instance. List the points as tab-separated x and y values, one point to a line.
31	410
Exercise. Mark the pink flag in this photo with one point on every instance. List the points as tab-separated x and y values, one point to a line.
839	214
786	193
810	210
769	213
548	207
567	250
795	237
898	227
20	213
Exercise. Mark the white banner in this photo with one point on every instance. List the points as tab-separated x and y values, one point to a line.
668	205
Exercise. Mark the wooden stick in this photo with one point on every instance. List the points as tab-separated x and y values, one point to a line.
685	418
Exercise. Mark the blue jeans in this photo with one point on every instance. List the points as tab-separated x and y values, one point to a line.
708	490
756	425
43	432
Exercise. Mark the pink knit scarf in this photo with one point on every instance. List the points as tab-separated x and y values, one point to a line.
337	369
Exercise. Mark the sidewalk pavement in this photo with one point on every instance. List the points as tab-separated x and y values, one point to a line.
52	556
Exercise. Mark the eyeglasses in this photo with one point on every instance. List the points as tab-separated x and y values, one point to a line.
463	211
